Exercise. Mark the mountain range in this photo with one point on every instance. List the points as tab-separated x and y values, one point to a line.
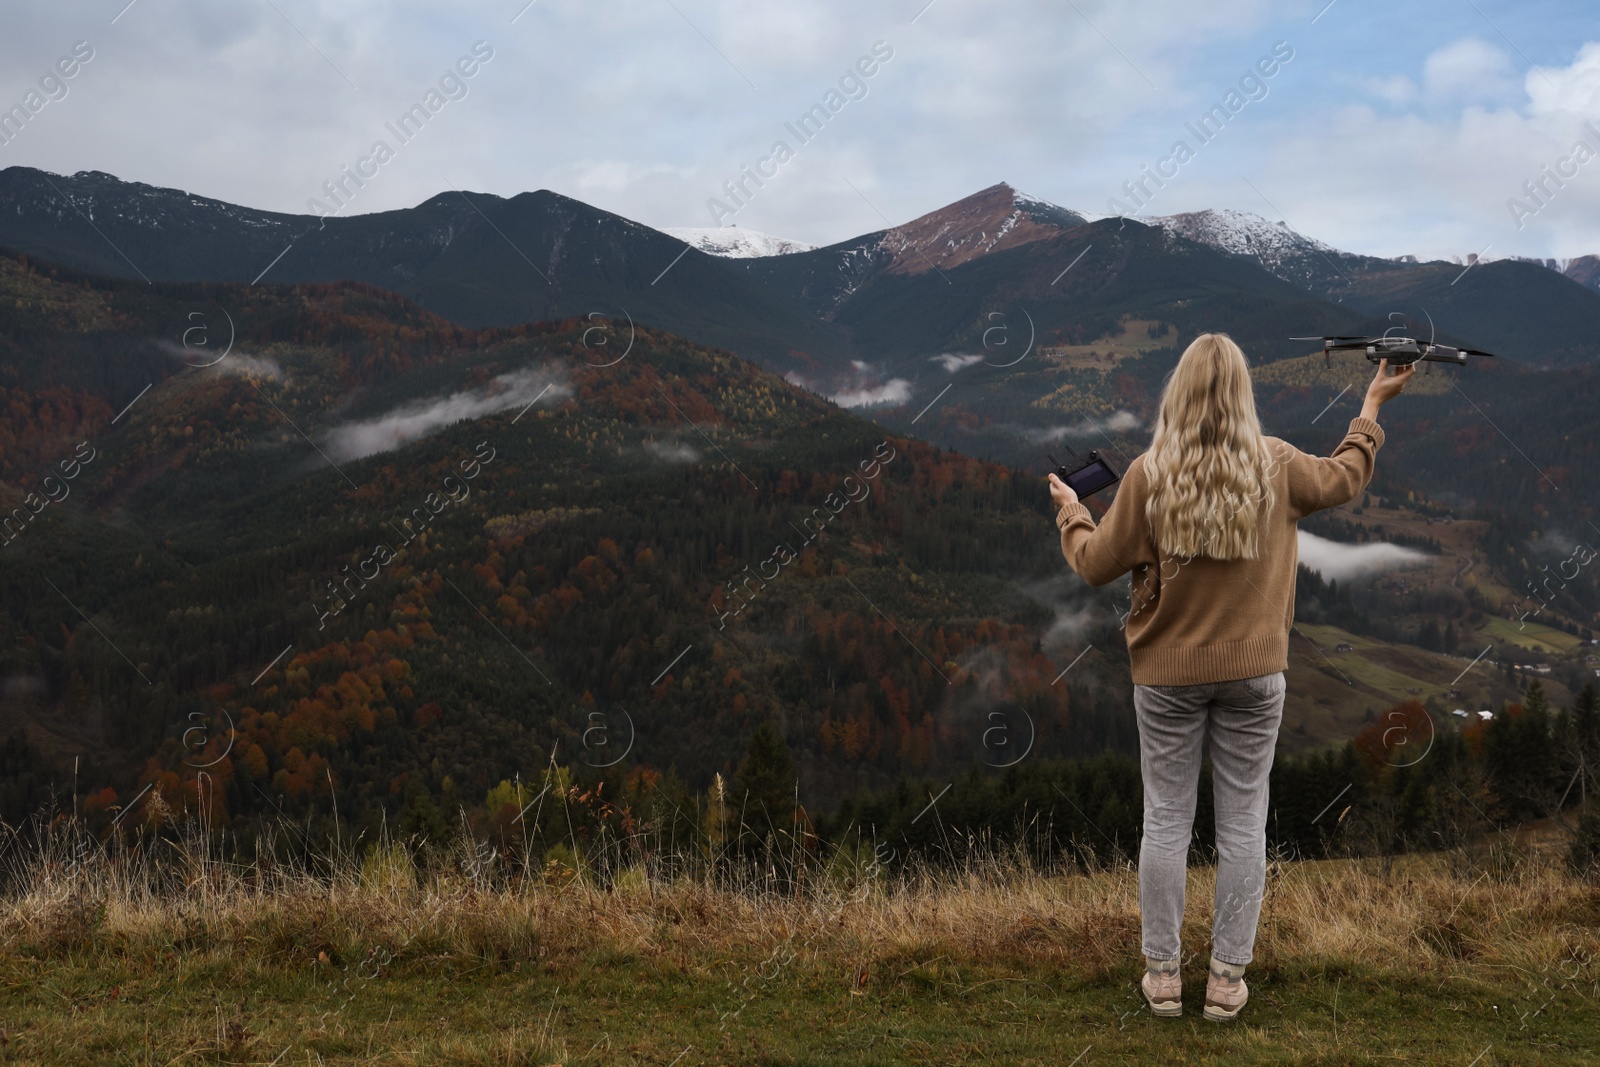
483	260
997	286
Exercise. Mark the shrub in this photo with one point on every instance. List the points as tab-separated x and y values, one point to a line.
1584	858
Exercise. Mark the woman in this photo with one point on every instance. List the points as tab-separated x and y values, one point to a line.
1205	522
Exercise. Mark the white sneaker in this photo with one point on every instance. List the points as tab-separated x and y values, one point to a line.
1163	992
1224	997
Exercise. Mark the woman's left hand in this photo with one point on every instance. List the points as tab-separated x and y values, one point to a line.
1061	492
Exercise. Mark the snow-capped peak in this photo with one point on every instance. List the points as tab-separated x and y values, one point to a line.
1292	256
734	243
1242	233
1025	201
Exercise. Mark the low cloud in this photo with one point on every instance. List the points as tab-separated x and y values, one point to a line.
672	451
240	364
953	361
1070	626
863	387
1338	561
894	391
1119	422
1074	615
418	419
235	363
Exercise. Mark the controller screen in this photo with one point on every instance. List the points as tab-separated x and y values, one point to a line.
1092	478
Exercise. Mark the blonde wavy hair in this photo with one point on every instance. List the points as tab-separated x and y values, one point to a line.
1208	467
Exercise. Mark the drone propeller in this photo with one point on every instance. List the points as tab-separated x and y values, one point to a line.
1333	344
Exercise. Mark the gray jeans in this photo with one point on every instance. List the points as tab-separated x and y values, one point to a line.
1241	719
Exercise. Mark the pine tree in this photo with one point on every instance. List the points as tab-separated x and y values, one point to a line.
1520	753
763	786
1428	635
1586	731
420	815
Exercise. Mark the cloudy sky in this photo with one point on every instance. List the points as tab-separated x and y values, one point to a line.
1393	128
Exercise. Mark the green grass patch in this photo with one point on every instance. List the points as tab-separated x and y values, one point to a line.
816	1009
1532	636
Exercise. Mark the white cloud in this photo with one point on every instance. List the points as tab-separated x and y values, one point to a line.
223	360
1467	69
1573	90
242	363
416	420
1437	184
1119	422
1397	89
863	386
894	391
619	175
953	362
1338	561
693	91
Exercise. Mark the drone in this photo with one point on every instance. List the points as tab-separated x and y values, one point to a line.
1399	351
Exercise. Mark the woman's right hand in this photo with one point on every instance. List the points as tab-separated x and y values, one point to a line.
1386	387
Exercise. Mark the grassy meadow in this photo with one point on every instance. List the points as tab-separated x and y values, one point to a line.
161	954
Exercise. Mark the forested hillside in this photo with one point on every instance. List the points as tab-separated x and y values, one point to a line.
1400	785
211	590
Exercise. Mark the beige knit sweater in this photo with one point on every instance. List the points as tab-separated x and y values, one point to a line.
1205	620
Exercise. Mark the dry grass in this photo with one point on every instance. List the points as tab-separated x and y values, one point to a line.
1509	919
1509	906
